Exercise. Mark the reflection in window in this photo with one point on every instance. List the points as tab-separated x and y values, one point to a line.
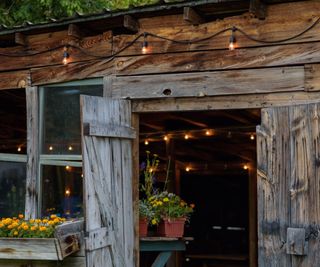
13	132
62	191
61	118
12	188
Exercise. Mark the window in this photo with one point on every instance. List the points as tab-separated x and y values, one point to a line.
13	137
60	141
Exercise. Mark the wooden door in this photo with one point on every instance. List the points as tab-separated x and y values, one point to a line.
107	169
288	149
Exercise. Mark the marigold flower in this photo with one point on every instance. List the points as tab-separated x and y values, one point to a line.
53	216
31	220
43	228
153	221
56	220
10	226
15	233
20	216
1	224
33	228
25	227
45	220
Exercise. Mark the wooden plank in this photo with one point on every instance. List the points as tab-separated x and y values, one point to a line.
224	102
130	23
280	55
283	20
162	259
108	130
13	80
191	16
296	243
32	197
253	238
135	188
68	262
20	39
29	249
210	83
273	168
312	77
272	56
305	174
97	239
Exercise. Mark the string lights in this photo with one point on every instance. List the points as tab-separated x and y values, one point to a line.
146	46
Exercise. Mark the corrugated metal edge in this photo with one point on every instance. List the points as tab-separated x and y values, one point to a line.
78	18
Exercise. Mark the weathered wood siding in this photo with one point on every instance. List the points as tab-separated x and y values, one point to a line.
107	164
288	184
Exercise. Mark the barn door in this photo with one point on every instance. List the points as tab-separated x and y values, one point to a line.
288	148
107	168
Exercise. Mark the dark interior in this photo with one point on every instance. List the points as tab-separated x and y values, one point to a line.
211	169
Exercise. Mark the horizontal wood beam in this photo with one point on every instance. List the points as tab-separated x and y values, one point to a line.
210	83
225	102
109	130
192	16
13	80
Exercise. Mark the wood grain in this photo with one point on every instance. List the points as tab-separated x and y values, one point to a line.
15	79
32	194
273	168
312	77
210	83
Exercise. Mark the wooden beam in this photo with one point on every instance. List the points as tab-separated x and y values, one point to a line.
192	16
14	79
32	175
74	31
258	9
130	24
20	39
224	102
312	77
210	83
108	130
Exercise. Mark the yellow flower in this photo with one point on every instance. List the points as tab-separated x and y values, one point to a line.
45	220
56	220
166	199
153	221
33	228
20	216
43	228
15	233
25	227
159	203
1	224
31	220
53	216
51	222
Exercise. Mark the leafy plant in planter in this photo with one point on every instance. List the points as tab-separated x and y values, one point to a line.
146	216
173	212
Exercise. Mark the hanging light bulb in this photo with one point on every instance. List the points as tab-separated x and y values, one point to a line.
19	149
65	55
70	148
252	137
165	138
245	167
50	148
145	48
67	168
67	192
186	136
232	40
146	142
187	169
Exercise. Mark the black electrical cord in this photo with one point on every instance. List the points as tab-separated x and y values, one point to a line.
145	34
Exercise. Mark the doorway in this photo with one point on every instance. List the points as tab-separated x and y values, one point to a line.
211	158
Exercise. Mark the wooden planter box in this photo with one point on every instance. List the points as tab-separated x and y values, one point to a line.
66	242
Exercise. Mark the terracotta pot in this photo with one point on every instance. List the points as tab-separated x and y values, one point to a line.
143	227
173	227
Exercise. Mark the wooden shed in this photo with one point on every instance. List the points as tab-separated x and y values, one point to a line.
229	90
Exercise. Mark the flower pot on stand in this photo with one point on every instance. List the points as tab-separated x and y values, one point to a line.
171	227
143	227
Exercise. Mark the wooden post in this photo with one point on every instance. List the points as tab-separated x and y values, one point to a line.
135	188
252	214
31	206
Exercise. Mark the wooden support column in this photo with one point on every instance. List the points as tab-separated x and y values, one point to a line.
252	214
135	187
31	206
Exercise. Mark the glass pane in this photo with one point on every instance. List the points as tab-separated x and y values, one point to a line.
61	118
62	191
13	129
12	188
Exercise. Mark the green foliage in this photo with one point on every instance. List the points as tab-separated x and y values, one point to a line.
16	12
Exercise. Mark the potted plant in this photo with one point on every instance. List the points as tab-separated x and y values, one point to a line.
146	215
172	211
